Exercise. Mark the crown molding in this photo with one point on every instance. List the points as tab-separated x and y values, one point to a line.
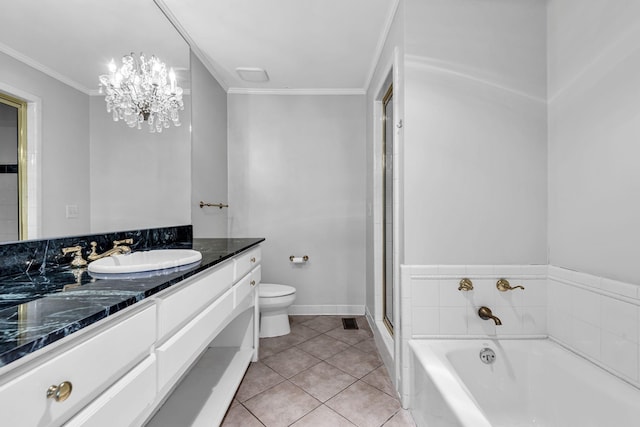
42	68
381	41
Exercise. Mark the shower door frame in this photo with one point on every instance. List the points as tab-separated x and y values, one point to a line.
387	256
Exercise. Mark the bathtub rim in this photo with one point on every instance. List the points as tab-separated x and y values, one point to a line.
462	392
534	337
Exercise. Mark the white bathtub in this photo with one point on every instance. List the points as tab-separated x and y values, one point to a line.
530	383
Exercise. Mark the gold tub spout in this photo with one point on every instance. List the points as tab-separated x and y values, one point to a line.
485	314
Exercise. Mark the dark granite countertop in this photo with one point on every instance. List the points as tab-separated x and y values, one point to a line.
37	310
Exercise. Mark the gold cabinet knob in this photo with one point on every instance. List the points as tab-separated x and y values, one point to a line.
253	283
60	392
253	259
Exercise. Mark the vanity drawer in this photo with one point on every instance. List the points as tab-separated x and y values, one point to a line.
179	352
246	285
188	300
124	402
90	366
247	262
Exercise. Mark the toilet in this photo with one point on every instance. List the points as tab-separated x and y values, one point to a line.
274	309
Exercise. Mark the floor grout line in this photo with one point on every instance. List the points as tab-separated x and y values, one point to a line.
350	346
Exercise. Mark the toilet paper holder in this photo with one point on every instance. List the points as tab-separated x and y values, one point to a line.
299	259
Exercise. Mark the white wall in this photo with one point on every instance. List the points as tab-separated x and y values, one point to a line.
209	152
138	179
594	134
64	133
474	167
297	178
594	181
598	318
475	152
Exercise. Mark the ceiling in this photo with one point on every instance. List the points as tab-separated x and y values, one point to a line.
302	44
316	46
74	40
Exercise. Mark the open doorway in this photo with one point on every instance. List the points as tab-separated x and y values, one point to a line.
13	207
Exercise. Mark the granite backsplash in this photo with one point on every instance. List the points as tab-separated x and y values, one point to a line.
33	257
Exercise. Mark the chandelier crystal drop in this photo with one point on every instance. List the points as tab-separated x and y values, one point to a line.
142	90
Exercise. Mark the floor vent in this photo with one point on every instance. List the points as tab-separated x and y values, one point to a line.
349	323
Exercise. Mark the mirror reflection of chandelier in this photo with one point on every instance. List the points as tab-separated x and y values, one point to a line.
142	90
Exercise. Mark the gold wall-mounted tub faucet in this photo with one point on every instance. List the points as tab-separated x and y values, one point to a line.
503	285
486	314
465	285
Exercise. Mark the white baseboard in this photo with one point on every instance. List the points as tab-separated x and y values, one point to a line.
340	310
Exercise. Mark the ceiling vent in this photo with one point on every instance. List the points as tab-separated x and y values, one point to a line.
249	74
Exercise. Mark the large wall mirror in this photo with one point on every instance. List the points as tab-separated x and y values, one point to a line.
85	173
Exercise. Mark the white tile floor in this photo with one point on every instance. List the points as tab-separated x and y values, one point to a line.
319	375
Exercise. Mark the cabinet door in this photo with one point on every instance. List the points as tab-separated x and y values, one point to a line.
122	403
247	261
90	366
176	308
245	286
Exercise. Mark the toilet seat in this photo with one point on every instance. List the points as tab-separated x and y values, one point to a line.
271	290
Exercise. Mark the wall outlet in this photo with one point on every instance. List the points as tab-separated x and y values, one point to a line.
72	211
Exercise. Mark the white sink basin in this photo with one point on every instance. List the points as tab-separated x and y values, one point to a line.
145	261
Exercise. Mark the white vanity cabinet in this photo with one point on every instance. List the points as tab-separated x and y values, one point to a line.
201	365
179	357
181	303
115	406
88	364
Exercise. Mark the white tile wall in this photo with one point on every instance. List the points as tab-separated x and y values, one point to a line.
598	318
437	307
432	306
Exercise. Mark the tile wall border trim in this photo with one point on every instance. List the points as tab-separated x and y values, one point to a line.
627	292
479	337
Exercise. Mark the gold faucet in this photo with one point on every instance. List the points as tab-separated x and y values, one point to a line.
503	285
77	273
485	314
465	285
118	248
78	261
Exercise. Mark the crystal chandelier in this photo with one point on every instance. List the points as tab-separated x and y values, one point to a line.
141	90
